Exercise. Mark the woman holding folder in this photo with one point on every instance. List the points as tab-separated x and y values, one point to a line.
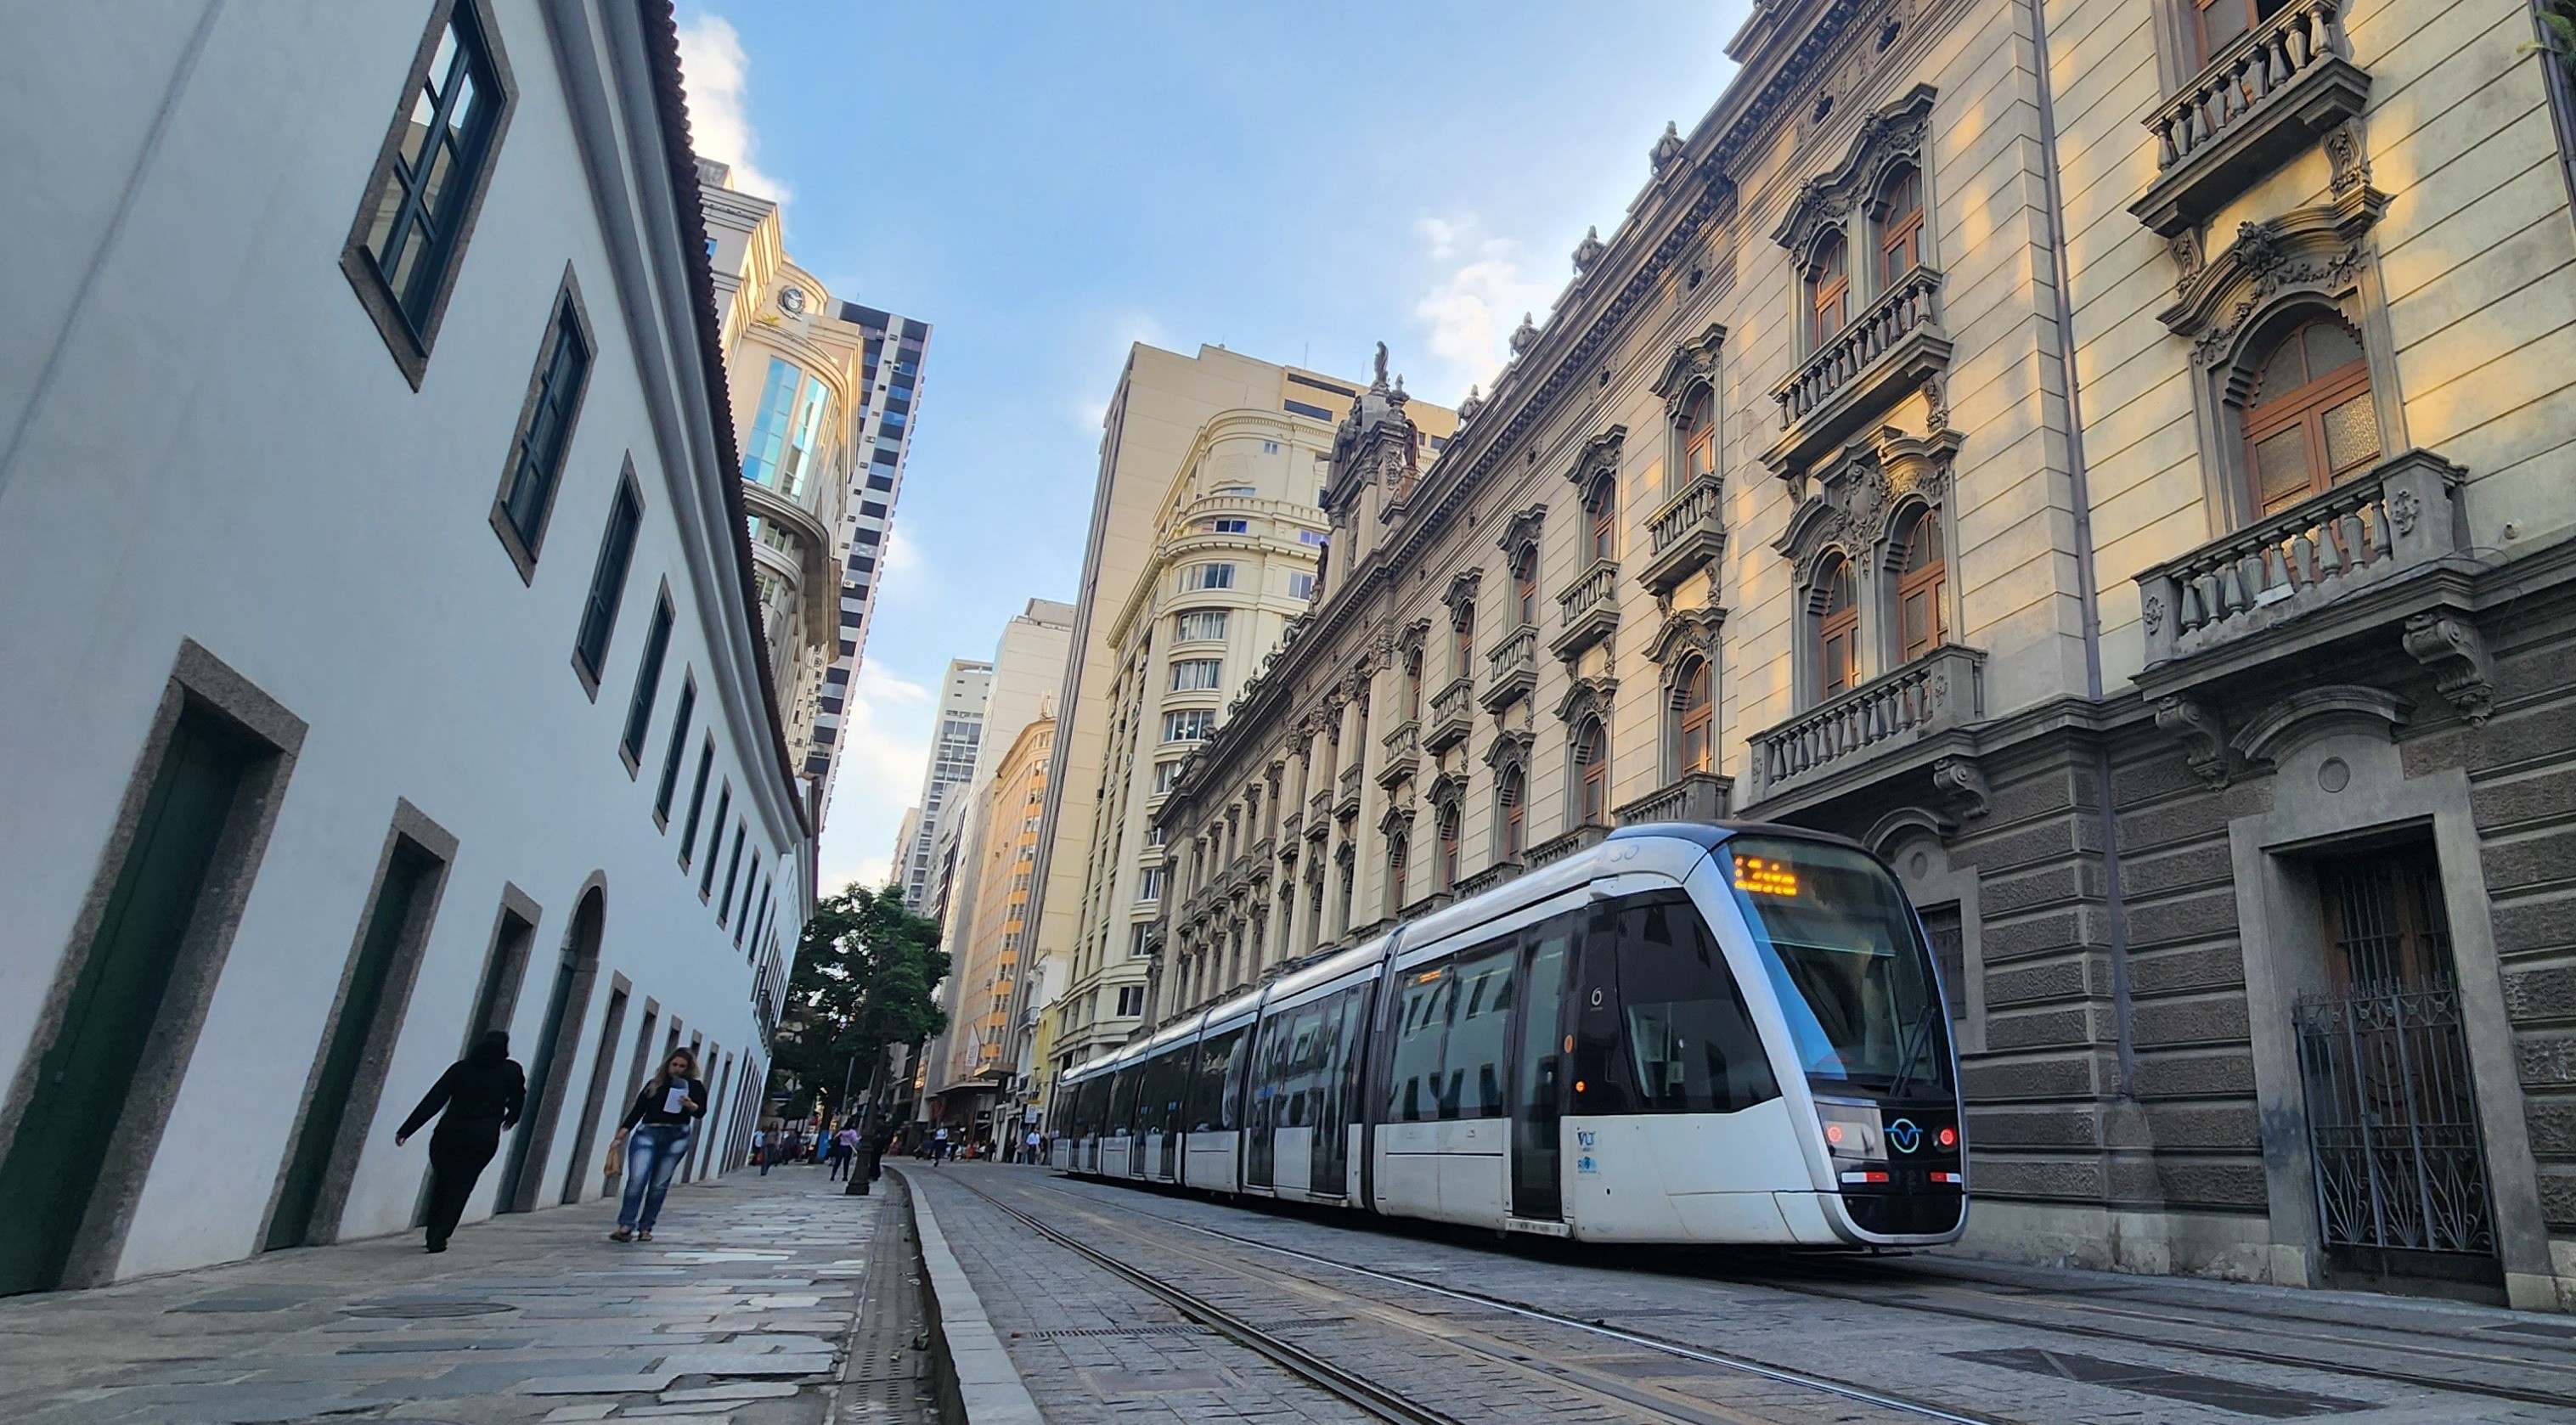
655	1139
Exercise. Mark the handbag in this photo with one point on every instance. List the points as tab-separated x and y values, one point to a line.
615	1165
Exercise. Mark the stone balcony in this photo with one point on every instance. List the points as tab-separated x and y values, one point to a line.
1686	535
2267	96
1488	878
1453	716
2380	526
1288	828
1693	796
1557	848
1941	691
1588	612
1877	359
1403	754
1347	805
1511	669
1319	807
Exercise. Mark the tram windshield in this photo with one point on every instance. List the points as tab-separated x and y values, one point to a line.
1839	945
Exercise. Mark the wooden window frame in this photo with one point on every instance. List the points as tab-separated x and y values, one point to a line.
2305	406
1449	820
1695	720
1832	623
1601	516
1592	772
1463	625
1900	230
1525	584
1932	582
1511	794
1828	294
1699	436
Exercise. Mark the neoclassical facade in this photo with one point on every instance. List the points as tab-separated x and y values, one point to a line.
2103	459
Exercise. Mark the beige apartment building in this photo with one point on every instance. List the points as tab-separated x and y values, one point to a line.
1204	545
990	956
2115	462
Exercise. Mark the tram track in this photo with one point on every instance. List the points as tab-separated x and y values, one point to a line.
1393	1405
2421	1380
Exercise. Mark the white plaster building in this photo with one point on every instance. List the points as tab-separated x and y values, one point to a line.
415	684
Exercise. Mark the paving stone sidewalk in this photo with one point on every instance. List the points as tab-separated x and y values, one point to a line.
740	1311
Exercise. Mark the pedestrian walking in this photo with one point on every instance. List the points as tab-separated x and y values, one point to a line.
839	1156
1032	1155
476	1098
760	1150
939	1145
655	1138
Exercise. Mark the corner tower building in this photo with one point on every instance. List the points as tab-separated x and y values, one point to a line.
825	392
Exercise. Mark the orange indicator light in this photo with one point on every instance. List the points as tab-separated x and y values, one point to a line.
1765	877
1833	1133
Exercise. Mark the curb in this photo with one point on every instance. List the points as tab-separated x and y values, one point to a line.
975	1367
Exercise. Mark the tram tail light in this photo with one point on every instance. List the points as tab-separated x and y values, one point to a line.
1869	1178
1948	1137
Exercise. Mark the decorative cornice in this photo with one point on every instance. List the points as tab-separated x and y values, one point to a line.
1522	530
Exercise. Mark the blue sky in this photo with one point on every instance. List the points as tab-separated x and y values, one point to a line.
1046	185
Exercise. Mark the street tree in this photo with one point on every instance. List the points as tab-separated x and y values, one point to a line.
864	975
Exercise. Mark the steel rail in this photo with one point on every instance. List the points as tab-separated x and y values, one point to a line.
1356	1390
2443	1384
1781	1375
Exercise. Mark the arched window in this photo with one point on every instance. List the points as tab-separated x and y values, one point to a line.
1511	796
1921	573
1694	716
1525	584
1464	652
2221	21
1699	437
1448	846
1413	685
1828	288
1397	853
1601	510
1837	629
1592	772
1900	227
2311	422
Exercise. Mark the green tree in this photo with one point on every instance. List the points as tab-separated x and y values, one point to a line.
863	980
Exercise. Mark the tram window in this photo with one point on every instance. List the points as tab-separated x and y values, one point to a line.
1690	1037
1299	1081
1211	1107
1122	1099
1472	1066
1852	980
1167	1081
1414	1086
1337	1077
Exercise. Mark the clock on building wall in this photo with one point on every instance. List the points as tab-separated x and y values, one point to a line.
791	300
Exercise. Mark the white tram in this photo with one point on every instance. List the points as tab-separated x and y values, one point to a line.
1689	1033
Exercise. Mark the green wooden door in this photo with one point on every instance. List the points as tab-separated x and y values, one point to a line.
82	1081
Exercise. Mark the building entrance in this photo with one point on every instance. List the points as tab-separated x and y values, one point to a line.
2401	1177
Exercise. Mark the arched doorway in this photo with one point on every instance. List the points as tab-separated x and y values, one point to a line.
557	1045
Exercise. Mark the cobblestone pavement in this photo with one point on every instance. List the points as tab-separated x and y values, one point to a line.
1985	1341
740	1310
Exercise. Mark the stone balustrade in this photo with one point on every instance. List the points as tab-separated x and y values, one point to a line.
1693	796
1912	304
1453	714
1511	668
1689	532
2253	67
1588	611
2402	515
1943	689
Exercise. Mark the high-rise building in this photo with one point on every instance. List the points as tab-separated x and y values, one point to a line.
954	740
415	687
826	393
1204	543
904	831
972	1065
1028	672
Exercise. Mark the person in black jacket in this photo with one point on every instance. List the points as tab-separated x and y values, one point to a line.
482	1094
660	1121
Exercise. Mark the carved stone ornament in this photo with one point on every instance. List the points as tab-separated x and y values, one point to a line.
1692	365
2349	157
2449	644
1510	747
1588	251
1522	530
1462	592
1961	787
2152	613
1525	335
1584	695
1471	407
2307	251
1667	148
2204	738
1686	631
1894	134
1599	457
2185	249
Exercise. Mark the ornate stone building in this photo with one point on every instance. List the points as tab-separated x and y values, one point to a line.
2103	459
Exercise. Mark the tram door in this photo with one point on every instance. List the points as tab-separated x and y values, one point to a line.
1538	1096
1345	1016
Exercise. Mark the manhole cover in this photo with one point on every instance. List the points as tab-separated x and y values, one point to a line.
428	1310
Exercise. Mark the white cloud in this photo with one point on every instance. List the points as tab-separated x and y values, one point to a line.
714	71
1471	312
885	747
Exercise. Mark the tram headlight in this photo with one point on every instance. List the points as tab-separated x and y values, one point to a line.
1851	1130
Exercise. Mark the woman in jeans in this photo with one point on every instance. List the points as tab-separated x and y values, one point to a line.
655	1139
